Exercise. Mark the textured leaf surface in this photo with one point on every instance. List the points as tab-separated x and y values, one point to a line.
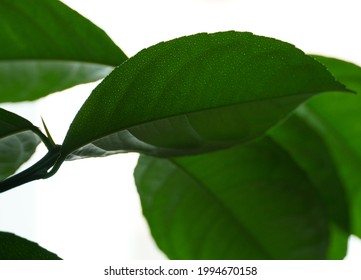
338	118
48	47
195	94
13	247
309	150
248	202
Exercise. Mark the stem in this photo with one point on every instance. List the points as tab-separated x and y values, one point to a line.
37	171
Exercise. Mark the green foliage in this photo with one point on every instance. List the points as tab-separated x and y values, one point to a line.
161	101
11	123
239	162
48	47
309	150
15	150
17	142
337	118
249	202
13	247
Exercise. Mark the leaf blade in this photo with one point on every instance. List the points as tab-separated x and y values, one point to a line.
17	142
252	182
189	135
192	74
15	150
309	150
49	47
13	247
336	118
11	123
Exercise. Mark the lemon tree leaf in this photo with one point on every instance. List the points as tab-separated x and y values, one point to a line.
17	142
13	247
337	118
48	47
11	123
15	150
309	150
248	202
195	94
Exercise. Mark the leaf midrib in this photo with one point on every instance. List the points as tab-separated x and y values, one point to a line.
229	213
306	95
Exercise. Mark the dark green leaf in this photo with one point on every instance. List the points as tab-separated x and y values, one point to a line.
47	47
338	119
347	73
13	247
11	123
15	150
248	202
309	150
195	94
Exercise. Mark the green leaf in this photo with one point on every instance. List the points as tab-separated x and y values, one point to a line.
17	142
15	150
13	247
309	150
248	202
337	118
196	94
347	73
47	47
11	123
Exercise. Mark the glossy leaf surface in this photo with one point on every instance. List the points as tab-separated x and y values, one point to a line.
338	118
196	94
13	247
48	47
248	202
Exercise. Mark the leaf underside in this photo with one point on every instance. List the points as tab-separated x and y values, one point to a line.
48	47
15	150
11	123
17	142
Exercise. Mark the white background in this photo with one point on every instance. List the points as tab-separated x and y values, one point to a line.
90	208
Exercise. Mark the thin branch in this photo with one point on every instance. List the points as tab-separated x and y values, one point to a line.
37	171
